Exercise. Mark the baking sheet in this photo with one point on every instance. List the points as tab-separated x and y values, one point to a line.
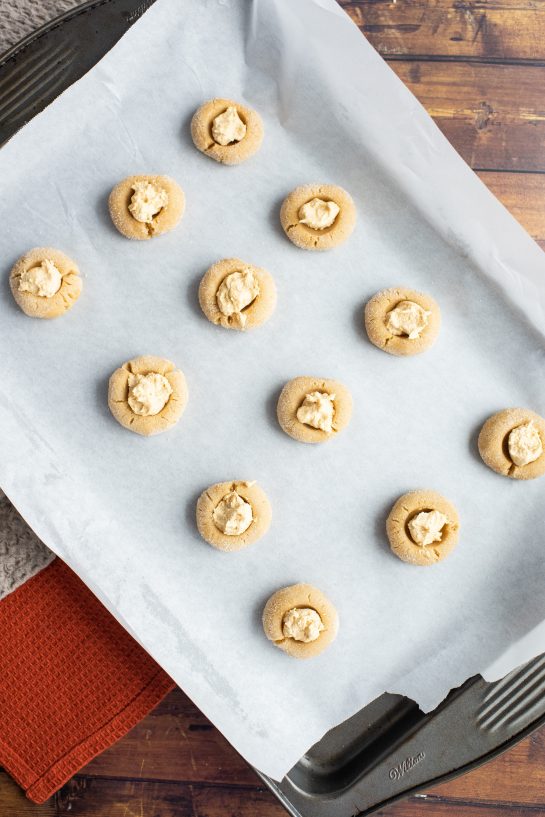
120	508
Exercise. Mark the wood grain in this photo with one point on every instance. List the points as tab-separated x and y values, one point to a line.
524	195
155	749
493	115
434	807
88	797
13	802
496	31
144	775
175	742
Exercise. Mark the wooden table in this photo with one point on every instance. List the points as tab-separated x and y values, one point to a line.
478	66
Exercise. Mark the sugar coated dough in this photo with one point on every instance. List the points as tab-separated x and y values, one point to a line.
134	201
493	443
382	329
210	512
218	119
149	414
48	271
303	597
406	510
258	310
298	212
296	393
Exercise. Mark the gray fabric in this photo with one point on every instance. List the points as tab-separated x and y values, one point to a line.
20	17
22	555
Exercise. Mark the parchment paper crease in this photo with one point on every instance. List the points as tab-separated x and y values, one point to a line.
119	509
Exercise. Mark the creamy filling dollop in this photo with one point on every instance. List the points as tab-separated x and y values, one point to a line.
318	214
407	318
44	280
317	410
524	444
228	127
233	515
148	393
146	201
302	624
237	291
427	527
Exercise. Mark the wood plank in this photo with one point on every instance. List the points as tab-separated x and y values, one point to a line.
87	797
493	115
13	802
174	742
432	807
524	196
156	750
498	30
218	802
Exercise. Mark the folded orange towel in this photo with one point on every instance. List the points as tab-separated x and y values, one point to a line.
72	681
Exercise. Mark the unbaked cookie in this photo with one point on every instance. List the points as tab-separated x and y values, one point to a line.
45	283
227	131
237	295
145	206
318	216
422	527
312	410
147	395
402	321
300	620
233	515
512	443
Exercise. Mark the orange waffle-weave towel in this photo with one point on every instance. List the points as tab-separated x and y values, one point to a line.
72	680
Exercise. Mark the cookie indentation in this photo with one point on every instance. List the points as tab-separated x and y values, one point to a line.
422	527
45	283
512	443
237	295
318	216
313	410
145	206
227	131
147	395
233	515
300	620
402	321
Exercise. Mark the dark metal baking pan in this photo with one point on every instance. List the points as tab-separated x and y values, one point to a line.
390	748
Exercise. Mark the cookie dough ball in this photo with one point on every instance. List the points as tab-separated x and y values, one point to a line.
313	410
512	443
227	131
300	620
233	515
147	395
45	283
422	527
237	295
145	206
402	321
318	216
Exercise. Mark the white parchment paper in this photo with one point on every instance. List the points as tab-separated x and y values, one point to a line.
120	508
